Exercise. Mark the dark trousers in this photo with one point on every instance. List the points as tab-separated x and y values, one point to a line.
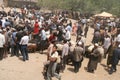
1	53
18	48
42	44
77	65
5	51
13	50
36	36
24	52
64	62
114	67
49	71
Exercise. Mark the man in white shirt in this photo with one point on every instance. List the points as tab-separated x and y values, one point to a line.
67	35
53	64
106	44
24	42
65	51
118	38
3	23
2	42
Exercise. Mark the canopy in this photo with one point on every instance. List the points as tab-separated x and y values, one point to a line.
104	14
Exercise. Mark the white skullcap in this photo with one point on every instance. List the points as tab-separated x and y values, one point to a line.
79	43
0	30
13	29
82	34
4	29
119	45
96	44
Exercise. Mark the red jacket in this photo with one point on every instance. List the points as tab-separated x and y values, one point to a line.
36	28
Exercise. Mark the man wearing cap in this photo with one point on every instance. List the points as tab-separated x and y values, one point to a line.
94	59
65	51
77	56
115	59
2	42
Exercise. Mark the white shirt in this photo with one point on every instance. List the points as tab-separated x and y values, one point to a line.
40	24
50	49
55	55
107	42
65	50
118	38
24	40
67	35
3	23
2	40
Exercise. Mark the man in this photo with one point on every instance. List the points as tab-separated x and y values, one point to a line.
69	28
53	64
118	38
50	48
36	29
43	39
115	59
24	42
79	29
94	59
106	44
19	35
65	51
6	43
97	37
2	42
81	39
67	35
86	31
77	56
3	22
13	43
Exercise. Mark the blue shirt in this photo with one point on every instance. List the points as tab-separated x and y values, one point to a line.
13	38
69	28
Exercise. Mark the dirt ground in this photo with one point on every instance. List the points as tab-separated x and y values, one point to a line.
13	68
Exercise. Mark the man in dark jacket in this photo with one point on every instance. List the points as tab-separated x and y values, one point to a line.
77	56
115	59
94	59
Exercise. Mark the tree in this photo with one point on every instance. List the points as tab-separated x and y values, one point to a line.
90	6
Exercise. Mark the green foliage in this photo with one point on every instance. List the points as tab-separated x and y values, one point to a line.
91	6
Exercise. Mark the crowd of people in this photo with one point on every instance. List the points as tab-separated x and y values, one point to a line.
17	29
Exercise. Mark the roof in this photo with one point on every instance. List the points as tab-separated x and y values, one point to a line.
104	14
